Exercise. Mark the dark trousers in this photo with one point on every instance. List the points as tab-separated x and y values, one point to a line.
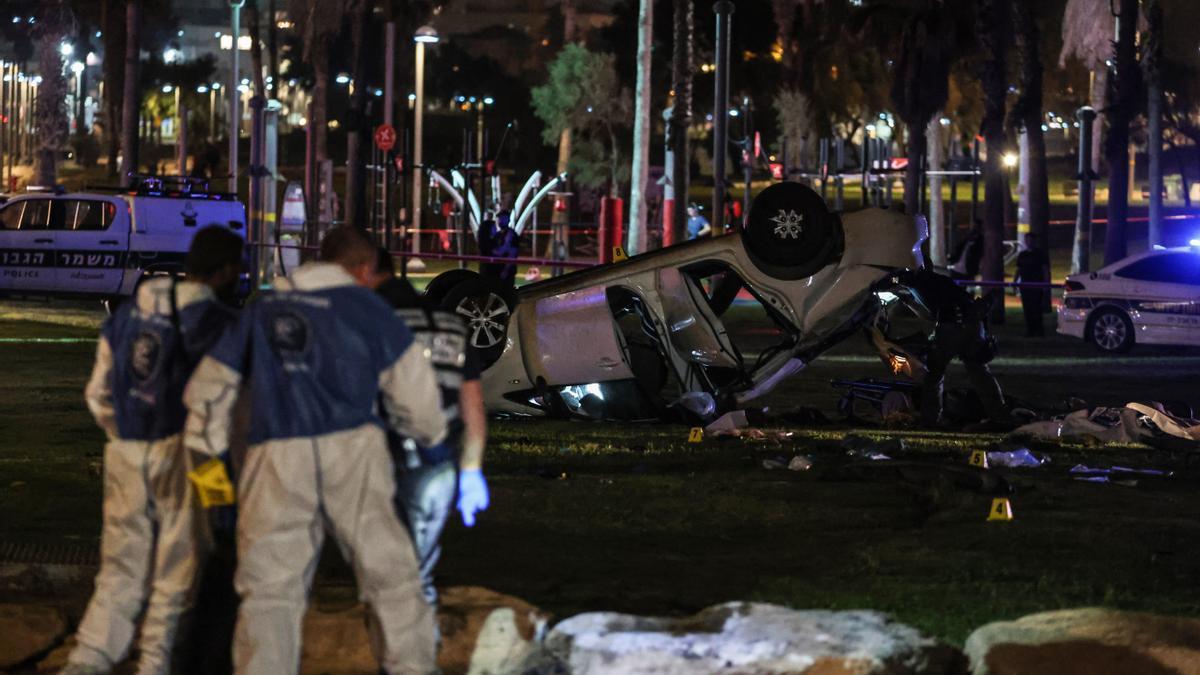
950	341
1032	303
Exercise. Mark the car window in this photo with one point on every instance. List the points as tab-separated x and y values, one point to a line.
88	215
1167	268
10	215
37	215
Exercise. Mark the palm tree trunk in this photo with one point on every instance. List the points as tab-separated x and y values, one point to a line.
50	115
272	45
112	12
320	99
993	26
681	114
356	124
1117	144
639	174
915	151
1154	135
1029	106
132	99
254	24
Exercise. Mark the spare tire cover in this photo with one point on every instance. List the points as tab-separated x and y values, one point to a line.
790	233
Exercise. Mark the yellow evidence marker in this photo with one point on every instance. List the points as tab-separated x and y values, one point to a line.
979	459
212	484
619	254
1001	510
696	435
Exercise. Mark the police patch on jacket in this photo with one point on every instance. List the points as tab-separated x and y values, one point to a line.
289	336
145	355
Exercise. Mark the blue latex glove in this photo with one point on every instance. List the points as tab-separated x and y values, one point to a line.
472	495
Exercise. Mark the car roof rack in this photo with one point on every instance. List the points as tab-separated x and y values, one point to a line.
179	187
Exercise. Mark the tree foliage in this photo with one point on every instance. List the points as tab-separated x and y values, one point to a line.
584	94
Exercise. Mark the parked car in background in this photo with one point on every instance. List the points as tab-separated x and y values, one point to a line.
54	243
639	338
1152	298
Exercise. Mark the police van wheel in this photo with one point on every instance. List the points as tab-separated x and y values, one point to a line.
1110	330
485	307
790	233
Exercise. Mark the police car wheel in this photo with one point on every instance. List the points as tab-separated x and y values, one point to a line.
485	308
1110	330
790	233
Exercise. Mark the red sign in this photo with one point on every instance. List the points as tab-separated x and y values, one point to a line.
776	170
385	137
757	144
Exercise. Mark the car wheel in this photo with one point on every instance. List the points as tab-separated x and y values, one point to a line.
790	233
485	307
444	282
1110	330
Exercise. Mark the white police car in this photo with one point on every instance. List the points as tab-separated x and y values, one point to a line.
1151	298
54	243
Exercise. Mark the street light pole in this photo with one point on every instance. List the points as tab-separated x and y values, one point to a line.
424	35
235	7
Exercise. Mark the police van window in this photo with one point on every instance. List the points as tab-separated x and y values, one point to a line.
1167	268
89	215
37	215
10	215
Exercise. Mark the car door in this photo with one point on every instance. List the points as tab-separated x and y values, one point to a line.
90	247
27	245
1164	296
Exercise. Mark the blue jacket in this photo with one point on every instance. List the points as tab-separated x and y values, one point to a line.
146	357
316	354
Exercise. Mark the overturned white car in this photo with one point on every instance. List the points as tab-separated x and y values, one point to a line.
647	336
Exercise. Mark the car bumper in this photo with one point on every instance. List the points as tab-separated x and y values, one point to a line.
1072	322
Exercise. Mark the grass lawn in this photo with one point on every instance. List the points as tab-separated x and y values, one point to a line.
589	516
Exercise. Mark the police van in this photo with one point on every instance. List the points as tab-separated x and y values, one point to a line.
54	243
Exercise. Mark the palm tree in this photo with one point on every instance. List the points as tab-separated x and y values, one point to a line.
112	16
681	112
640	171
132	99
1154	116
55	23
319	22
1026	116
1116	147
921	86
359	12
993	26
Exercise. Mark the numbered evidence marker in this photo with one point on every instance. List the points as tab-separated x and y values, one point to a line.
212	484
1001	510
979	459
619	254
696	435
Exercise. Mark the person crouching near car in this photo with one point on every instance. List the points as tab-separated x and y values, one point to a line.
427	476
328	366
148	546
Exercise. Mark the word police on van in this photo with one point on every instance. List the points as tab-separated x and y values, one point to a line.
100	245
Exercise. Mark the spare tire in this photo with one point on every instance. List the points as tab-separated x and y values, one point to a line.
485	306
790	233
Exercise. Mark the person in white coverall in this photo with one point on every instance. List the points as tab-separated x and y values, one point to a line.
148	547
327	365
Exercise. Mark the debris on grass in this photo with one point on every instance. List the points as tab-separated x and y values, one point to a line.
1018	458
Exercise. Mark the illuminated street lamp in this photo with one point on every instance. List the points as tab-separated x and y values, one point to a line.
424	35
